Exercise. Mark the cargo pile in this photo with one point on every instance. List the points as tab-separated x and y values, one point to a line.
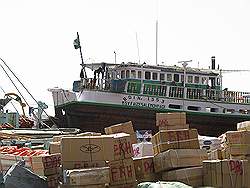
119	160
38	161
177	153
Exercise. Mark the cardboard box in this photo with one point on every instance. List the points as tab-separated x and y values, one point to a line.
144	169
122	172
245	125
212	174
54	147
96	148
90	176
143	149
225	173
190	176
169	119
179	158
238	137
46	165
126	127
176	139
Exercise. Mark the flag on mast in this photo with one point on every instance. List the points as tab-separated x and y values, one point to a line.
77	43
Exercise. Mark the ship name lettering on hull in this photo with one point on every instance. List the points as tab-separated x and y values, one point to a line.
140	101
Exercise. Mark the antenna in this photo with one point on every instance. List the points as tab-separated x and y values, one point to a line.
115	56
138	51
156	42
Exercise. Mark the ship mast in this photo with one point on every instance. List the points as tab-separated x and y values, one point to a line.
77	45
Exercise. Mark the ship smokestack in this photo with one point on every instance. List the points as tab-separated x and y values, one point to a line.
213	62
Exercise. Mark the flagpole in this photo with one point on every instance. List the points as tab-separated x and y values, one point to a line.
83	67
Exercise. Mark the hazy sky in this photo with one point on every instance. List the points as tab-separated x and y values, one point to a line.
36	38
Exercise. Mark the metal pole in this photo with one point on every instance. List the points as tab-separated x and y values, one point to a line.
156	43
78	38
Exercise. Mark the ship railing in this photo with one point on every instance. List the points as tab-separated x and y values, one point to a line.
176	92
236	96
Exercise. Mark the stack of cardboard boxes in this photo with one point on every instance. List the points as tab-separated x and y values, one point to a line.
92	154
123	173
177	153
232	167
225	173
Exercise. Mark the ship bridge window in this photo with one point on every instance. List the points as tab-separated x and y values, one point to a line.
175	106
208	109
155	76
190	79
194	108
229	111
176	78
123	74
133	74
169	77
162	77
139	74
147	75
197	79
127	73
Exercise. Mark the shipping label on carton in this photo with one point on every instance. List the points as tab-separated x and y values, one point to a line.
122	172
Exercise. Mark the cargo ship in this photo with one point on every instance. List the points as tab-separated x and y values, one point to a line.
137	91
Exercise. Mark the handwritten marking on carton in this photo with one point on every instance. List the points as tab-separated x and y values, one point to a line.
122	148
163	122
182	135
90	148
171	136
148	166
78	165
136	151
236	167
51	161
121	172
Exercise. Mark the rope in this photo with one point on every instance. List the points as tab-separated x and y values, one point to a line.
24	88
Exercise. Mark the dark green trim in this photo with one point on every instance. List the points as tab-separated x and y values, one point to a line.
155	109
